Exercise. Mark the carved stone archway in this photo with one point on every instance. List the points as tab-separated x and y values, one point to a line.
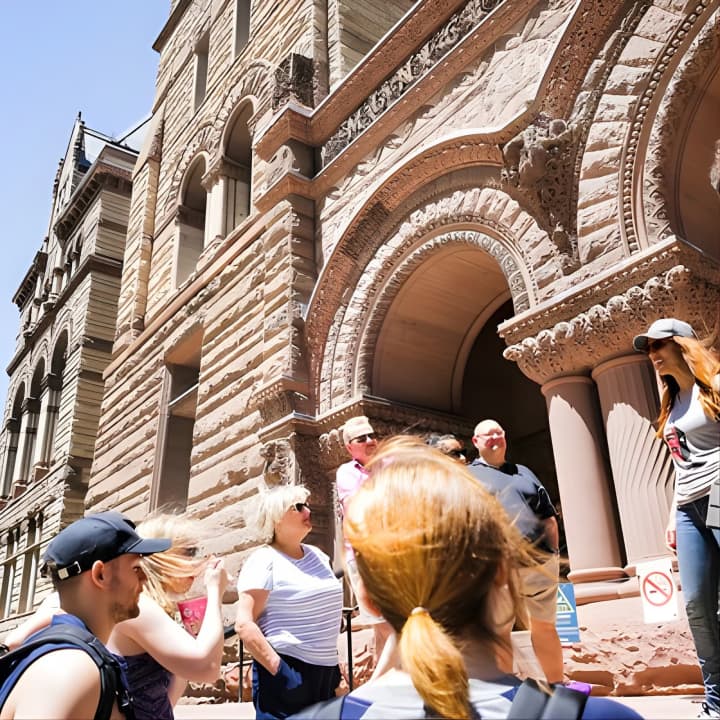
484	216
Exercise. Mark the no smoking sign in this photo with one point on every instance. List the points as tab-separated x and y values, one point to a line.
657	590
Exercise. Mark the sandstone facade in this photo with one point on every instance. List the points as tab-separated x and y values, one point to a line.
313	235
425	212
68	304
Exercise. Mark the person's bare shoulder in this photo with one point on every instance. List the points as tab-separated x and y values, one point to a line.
60	685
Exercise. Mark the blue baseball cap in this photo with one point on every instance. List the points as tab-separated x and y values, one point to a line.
102	536
661	329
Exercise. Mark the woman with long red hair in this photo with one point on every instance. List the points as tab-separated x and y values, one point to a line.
689	422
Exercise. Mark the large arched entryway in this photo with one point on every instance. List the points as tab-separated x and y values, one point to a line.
438	348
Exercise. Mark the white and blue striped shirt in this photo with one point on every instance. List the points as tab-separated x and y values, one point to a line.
303	610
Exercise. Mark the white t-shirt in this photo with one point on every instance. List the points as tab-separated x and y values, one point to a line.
694	442
303	610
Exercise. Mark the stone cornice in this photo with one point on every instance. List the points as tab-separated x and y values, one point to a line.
99	177
93	264
170	25
27	286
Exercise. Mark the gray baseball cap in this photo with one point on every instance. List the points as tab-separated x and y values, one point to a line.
660	329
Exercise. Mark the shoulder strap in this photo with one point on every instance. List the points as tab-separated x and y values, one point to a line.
112	685
531	702
326	710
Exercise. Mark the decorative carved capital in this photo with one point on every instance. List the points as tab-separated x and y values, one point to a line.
604	331
279	399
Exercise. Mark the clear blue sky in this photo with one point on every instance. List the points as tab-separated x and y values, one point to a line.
60	57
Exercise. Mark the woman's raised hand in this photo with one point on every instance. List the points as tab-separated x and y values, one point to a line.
216	576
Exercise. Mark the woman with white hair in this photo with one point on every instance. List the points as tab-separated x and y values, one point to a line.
289	609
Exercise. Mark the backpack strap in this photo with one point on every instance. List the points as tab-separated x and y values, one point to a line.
112	682
531	702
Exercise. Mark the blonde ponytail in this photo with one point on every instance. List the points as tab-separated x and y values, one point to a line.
435	665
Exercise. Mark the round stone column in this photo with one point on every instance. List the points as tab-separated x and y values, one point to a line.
585	491
641	464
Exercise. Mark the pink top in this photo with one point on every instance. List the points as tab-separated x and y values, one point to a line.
348	479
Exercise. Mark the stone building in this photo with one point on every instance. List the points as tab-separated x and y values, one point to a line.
68	304
428	212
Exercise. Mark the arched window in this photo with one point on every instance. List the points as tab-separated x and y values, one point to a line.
191	222
54	382
237	168
12	430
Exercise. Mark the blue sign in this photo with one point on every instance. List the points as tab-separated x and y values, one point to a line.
567	619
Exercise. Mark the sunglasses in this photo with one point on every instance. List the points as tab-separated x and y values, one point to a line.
364	438
299	507
457	453
656	344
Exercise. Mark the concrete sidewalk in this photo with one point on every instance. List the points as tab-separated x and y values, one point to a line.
651	707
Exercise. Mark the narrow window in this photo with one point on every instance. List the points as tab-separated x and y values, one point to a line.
191	221
30	564
202	50
12	435
177	423
238	170
9	568
242	26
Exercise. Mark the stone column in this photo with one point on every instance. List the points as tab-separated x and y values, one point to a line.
49	402
28	432
9	458
641	465
585	490
228	188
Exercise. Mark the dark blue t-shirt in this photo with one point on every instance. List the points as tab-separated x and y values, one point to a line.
523	496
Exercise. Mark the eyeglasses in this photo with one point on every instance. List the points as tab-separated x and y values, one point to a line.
299	507
364	438
459	453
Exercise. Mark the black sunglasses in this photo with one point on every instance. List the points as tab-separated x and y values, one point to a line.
299	507
457	453
364	438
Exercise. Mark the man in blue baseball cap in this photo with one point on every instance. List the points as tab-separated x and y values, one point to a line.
95	567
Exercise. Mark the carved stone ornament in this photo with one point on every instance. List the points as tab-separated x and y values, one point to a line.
279	462
663	142
293	82
577	345
417	65
539	170
644	105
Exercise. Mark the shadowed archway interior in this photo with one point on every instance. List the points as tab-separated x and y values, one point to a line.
439	348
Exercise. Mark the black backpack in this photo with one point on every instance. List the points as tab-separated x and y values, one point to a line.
531	702
112	687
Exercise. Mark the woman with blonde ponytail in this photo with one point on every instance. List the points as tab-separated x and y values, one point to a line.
437	556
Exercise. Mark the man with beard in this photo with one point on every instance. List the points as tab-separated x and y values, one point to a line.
529	507
95	567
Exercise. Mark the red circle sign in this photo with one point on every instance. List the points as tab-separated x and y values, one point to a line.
657	588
